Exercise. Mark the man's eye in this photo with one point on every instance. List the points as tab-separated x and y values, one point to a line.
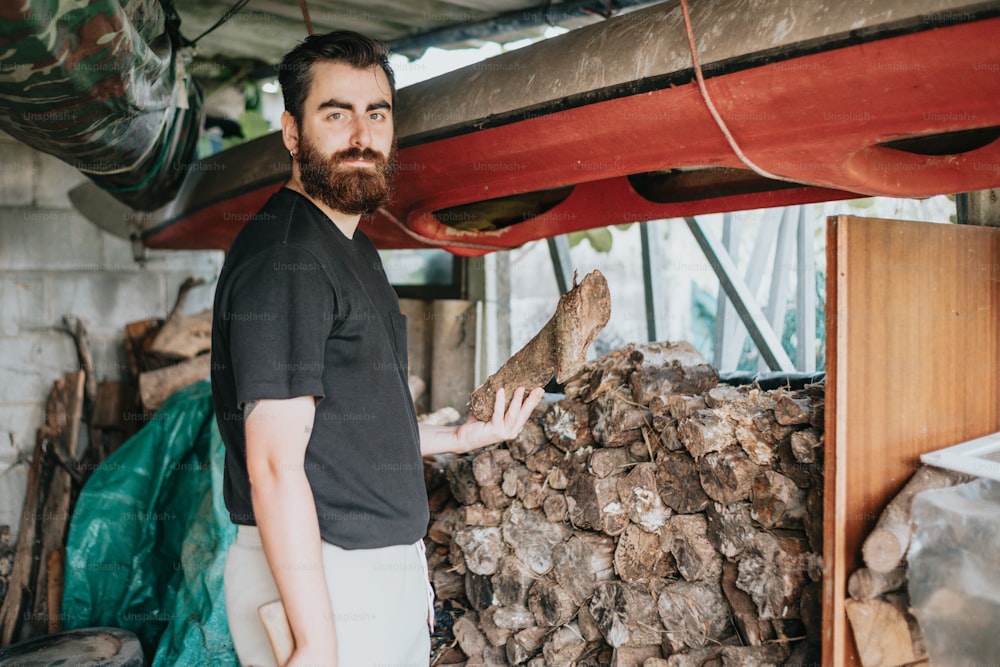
336	115
378	115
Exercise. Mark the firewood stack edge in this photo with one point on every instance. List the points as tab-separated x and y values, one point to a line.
652	517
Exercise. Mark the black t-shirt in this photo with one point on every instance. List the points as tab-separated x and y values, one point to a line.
302	310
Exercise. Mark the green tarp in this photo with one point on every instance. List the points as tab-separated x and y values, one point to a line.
149	535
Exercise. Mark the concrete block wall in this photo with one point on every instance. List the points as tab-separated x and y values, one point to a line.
53	263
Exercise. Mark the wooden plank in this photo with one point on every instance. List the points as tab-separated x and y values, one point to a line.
913	324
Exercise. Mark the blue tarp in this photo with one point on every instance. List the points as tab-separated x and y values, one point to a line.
149	535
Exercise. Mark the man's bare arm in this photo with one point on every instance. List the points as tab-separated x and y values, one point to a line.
474	434
277	433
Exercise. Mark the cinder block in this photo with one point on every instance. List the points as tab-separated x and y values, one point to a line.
198	298
48	239
106	300
53	181
22	302
18	167
13	487
32	364
202	263
20	425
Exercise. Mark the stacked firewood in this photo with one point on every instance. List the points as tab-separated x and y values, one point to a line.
651	517
885	631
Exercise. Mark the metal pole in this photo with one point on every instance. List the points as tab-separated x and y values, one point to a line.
753	317
562	264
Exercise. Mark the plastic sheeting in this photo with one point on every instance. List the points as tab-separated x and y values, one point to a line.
149	535
954	573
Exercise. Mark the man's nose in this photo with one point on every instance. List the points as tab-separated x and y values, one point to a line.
361	134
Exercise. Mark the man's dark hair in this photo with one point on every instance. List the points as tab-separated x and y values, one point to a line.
345	46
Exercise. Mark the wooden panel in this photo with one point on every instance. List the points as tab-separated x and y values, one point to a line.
912	348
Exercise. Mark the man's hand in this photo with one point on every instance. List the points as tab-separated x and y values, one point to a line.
474	434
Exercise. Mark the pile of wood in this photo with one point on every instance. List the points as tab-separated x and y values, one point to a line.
86	420
885	631
651	517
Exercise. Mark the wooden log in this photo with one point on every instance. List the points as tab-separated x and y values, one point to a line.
776	501
679	484
555	507
550	603
556	479
611	461
564	646
634	656
695	614
478	515
594	503
811	611
581	562
727	476
638	557
867	584
156	386
515	480
680	406
567	425
523	645
512	581
56	570
493	497
650	381
588	626
886	545
448	584
182	336
757	440
641	499
752	630
530	439
532	536
470	638
722	395
807	444
25	611
813	520
790	408
559	349
706	431
615	420
478	590
483	547
456	557
730	528
495	635
804	475
544	459
514	617
772	570
685	537
444	525
609	607
488	465
881	633
461	481
138	340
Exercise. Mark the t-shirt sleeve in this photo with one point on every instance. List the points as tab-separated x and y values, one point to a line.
280	316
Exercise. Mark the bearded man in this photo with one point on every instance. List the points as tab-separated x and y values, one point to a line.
323	475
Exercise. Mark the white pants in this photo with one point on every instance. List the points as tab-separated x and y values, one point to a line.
382	602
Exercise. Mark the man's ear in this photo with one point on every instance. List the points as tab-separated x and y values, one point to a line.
289	132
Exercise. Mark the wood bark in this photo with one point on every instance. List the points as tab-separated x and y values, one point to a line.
752	630
513	617
532	536
792	409
567	425
730	528
686	539
641	498
626	614
550	603
525	644
479	590
582	562
529	440
489	465
182	336
616	420
638	556
594	503
772	571
727	476
470	638
673	378
512	581
776	501
564	646
679	484
886	545
559	349
156	386
706	431
462	481
694	615
483	548
44	519
867	584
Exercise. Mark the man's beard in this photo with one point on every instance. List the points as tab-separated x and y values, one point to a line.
351	190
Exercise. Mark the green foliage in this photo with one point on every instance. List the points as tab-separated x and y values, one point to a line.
600	238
